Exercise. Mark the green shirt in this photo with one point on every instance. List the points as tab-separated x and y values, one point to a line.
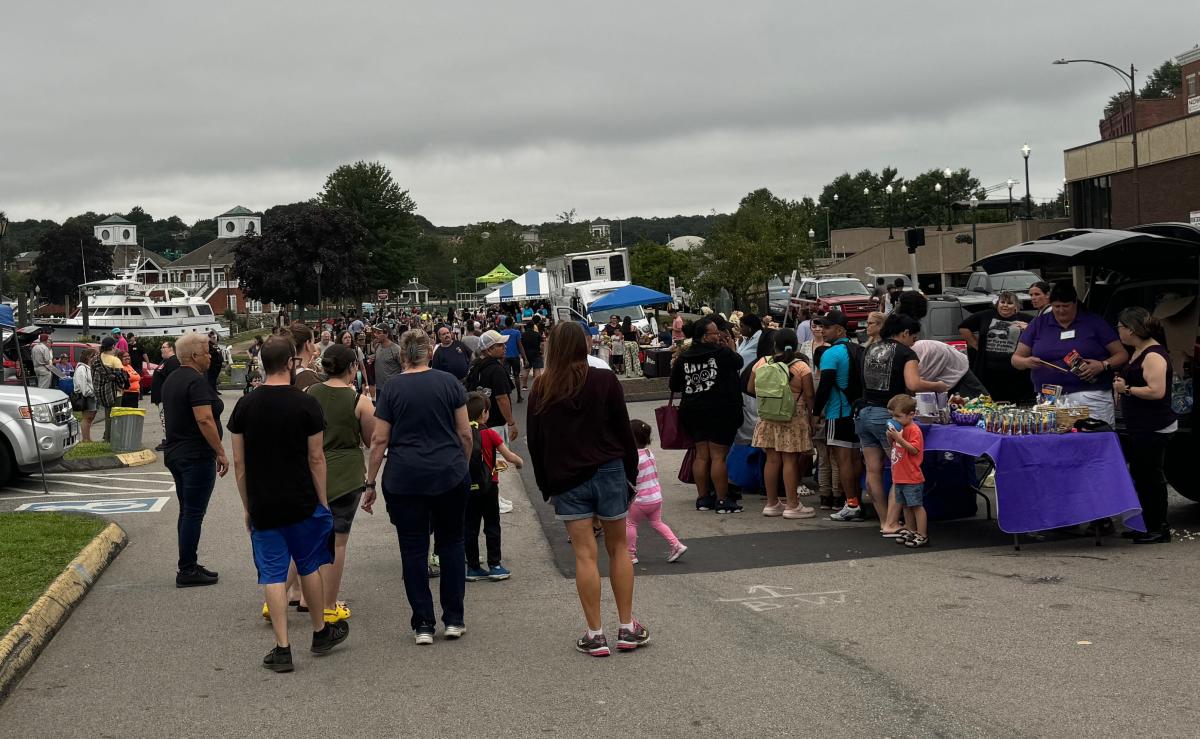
345	464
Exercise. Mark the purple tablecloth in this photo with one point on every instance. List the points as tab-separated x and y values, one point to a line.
1051	480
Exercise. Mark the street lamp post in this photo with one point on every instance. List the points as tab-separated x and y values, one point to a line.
1028	200
318	267
974	220
3	231
888	190
1010	182
949	211
938	189
1130	77
454	302
867	195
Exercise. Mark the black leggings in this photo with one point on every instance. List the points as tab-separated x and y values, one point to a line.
1144	452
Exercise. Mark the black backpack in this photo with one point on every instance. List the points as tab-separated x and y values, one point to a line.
481	474
854	380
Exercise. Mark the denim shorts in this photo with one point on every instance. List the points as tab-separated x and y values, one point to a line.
910	495
871	426
308	542
606	495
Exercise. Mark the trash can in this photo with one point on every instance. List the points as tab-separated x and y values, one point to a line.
127	429
237	374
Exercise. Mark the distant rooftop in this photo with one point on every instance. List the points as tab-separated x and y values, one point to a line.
238	210
115	220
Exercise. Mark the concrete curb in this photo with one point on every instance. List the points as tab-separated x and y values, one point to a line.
106	462
20	647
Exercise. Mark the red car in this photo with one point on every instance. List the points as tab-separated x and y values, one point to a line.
847	294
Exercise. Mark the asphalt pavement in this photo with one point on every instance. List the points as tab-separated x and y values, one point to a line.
965	639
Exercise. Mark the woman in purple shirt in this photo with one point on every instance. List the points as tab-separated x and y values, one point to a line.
1052	337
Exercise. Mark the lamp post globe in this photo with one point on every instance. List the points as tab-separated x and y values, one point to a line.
812	234
937	188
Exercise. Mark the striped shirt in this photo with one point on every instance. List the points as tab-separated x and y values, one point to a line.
648	489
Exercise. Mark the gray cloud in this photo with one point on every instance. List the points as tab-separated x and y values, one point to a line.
523	109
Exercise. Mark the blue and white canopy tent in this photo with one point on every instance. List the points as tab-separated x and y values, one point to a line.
627	297
532	285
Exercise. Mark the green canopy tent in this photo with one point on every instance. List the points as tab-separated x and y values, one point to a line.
498	276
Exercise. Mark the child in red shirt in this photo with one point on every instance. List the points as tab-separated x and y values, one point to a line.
483	504
908	482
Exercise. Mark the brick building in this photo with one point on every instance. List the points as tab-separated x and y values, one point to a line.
1099	175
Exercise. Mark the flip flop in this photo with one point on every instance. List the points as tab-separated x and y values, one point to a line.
897	534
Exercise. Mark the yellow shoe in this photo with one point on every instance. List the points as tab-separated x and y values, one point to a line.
266	612
340	612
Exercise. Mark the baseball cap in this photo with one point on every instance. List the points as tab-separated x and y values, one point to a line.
491	338
116	330
832	318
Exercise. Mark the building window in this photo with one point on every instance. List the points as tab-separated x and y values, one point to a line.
105	234
229	226
1192	90
125	234
231	302
1091	201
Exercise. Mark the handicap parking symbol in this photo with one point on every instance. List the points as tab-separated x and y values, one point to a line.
110	506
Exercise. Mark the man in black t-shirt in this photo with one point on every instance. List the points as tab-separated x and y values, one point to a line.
489	376
279	458
193	451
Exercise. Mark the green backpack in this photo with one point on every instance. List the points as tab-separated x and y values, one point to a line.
776	401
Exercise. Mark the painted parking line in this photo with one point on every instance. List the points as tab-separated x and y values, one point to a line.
125	505
84	485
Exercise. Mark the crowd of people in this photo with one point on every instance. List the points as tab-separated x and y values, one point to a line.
417	411
762	406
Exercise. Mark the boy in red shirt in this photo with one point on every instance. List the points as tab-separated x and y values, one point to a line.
908	482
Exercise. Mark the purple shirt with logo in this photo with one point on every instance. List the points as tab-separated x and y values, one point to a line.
1092	335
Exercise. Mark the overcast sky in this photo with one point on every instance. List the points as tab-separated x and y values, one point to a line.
525	108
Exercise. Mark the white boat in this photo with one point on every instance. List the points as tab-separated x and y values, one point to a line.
143	309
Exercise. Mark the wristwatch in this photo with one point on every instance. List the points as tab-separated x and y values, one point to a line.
369	484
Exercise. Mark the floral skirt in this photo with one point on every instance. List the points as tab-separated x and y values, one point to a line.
784	436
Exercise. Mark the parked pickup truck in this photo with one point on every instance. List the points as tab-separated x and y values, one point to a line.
981	283
57	429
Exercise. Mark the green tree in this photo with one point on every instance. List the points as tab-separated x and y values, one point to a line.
766	237
653	263
277	266
1164	82
387	212
58	270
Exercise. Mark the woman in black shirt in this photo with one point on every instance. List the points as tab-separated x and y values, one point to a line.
993	334
1144	385
710	410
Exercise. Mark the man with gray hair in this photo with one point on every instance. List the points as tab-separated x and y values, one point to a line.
386	358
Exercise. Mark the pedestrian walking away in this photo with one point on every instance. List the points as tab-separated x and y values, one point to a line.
421	421
279	462
585	460
193	452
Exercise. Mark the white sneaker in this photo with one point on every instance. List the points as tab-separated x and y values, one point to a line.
848	513
803	490
454	632
506	505
423	637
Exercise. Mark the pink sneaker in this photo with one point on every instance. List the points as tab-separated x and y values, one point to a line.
774	510
800	511
677	552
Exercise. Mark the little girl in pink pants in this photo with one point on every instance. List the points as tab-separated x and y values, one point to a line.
647	503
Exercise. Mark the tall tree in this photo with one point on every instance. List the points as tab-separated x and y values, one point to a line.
62	252
767	236
387	212
277	266
652	264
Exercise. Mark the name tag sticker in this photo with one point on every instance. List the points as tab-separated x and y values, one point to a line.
1066	335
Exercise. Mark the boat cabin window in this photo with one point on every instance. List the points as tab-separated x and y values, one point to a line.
204	310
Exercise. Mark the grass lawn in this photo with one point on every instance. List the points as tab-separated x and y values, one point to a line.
86	449
35	548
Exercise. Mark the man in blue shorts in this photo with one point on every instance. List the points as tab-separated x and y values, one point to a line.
514	354
279	460
839	388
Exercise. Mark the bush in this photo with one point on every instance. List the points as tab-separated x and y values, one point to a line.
150	345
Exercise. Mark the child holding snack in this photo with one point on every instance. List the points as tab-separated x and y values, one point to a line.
908	482
647	503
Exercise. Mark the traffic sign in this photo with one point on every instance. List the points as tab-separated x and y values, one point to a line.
381	296
120	505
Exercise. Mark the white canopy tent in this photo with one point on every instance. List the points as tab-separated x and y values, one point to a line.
530	286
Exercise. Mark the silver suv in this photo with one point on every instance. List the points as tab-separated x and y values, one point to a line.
57	429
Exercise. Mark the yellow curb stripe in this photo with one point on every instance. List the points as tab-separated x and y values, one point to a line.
138	458
26	640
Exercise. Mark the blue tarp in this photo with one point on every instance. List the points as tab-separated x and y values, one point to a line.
6	317
628	296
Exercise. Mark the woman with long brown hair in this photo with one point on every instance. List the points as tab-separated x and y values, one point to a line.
586	461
